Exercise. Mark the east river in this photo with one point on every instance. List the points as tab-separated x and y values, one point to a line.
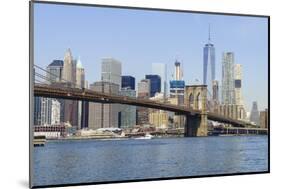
82	161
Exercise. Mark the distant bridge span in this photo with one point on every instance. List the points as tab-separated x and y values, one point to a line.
51	91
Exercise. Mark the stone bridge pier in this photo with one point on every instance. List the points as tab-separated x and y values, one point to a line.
196	99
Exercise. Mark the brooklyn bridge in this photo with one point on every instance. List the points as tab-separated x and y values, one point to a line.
195	107
196	114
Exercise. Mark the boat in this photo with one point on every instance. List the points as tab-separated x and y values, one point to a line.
147	136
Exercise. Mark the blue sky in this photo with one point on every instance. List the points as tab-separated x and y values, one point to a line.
139	38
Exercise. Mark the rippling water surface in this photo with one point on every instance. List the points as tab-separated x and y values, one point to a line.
66	162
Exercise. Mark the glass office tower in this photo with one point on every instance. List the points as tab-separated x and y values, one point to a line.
161	70
155	84
209	66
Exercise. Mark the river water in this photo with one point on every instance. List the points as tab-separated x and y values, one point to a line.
82	161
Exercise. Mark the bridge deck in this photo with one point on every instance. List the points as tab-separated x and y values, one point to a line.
93	96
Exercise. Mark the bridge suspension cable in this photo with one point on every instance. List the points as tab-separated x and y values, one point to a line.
52	74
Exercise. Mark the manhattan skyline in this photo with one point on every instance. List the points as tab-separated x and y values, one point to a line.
148	37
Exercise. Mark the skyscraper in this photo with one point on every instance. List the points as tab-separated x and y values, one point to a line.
215	91
143	93
103	115
228	78
255	117
55	76
158	118
209	66
128	82
155	84
178	71
144	88
128	112
238	84
215	96
55	69
177	84
37	110
69	68
69	108
80	74
264	119
111	71
161	70
46	111
238	78
80	83
55	114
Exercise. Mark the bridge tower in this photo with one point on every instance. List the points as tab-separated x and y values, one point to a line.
196	99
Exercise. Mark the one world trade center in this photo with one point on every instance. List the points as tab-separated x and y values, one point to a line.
209	73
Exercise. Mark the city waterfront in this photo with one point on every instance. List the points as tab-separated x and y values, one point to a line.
82	161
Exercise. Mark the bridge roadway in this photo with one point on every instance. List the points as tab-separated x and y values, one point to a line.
51	91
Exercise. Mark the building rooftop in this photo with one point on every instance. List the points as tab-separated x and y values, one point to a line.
56	63
79	63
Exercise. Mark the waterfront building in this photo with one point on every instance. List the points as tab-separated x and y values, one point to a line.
143	93
238	78
228	78
238	84
46	111
177	84
103	115
70	112
55	76
127	114
111	71
54	71
106	115
128	82
85	115
161	70
264	119
215	96
209	66
55	116
178	120
80	83
85	111
158	118
37	110
69	107
155	84
50	131
254	117
215	90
